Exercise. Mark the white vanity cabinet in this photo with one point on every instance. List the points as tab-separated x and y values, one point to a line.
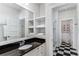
39	51
42	50
34	52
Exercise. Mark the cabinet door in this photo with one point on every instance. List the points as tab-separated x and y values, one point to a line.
42	50
39	51
34	52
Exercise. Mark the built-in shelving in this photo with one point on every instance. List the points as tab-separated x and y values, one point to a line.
40	30
31	27
41	17
40	21
40	25
36	25
30	23
31	30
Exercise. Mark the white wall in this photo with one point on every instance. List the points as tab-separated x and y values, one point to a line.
35	7
56	29
49	30
22	14
42	9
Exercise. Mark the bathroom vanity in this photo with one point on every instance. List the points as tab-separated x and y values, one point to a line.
13	49
38	51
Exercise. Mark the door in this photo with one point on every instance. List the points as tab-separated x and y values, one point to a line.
66	29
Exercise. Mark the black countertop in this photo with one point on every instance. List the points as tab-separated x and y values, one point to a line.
16	45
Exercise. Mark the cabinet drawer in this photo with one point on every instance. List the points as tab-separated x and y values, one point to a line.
42	49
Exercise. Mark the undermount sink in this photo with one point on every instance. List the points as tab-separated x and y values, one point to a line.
25	47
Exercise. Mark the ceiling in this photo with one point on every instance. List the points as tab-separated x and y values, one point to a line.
13	5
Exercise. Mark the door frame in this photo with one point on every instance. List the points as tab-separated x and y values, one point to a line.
49	24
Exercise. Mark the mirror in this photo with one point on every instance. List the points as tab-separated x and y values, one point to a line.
12	21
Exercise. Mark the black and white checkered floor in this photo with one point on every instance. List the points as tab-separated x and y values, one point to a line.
65	50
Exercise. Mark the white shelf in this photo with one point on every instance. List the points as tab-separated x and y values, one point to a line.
40	26
31	27
40	34
31	33
40	17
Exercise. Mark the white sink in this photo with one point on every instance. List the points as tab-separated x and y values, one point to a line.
25	47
